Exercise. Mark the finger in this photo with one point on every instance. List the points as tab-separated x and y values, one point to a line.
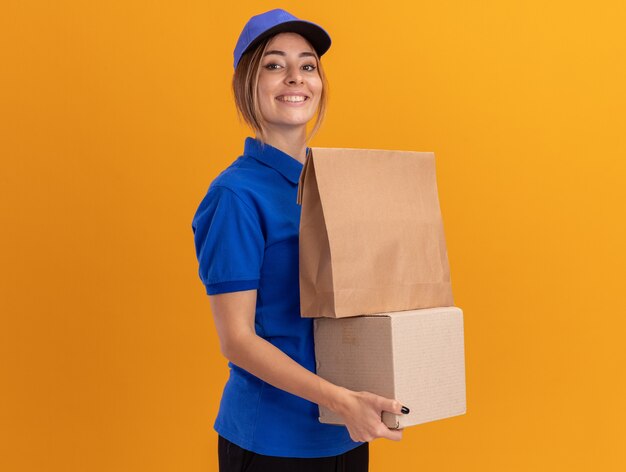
392	406
393	434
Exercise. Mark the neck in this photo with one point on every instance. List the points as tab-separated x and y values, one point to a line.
290	141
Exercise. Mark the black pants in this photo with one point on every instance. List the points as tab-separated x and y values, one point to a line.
232	458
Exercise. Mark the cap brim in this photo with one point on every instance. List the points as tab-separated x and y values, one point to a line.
319	39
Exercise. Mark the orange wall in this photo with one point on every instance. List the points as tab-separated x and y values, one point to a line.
115	116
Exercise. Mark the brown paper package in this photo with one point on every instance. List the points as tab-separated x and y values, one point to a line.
371	233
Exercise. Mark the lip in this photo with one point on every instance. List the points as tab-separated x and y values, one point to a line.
293	94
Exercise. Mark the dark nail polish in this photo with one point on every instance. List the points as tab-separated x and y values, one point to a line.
405	410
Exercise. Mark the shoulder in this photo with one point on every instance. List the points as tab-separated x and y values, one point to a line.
234	189
241	176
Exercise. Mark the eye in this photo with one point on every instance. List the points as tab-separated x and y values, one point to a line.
271	65
312	67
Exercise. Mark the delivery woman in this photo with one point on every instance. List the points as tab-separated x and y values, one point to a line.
246	236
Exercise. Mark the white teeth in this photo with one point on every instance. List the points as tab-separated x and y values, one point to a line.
292	98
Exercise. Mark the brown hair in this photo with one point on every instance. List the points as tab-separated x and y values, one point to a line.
245	83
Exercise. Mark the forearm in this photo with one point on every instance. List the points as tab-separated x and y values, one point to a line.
267	362
234	317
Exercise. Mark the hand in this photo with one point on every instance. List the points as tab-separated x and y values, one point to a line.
361	412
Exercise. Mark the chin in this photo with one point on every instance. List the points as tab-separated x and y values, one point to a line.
294	122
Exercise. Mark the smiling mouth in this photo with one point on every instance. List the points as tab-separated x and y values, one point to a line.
292	98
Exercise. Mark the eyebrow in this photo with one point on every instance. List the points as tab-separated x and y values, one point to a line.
283	53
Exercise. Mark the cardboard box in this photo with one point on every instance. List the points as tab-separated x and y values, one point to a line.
414	356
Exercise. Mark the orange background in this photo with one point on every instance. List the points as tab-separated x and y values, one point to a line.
115	117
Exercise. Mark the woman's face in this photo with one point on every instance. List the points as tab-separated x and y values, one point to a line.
289	84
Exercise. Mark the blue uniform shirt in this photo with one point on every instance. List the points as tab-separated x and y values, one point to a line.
246	235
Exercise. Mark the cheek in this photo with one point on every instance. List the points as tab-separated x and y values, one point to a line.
318	92
265	91
265	97
317	86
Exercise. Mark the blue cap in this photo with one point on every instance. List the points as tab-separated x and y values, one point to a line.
276	21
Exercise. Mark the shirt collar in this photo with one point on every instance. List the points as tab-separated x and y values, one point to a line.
273	157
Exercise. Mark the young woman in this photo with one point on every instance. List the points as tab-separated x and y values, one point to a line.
246	236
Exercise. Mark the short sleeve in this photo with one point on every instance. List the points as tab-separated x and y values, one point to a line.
229	242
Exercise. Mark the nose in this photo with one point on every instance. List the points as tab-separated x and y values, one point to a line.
294	77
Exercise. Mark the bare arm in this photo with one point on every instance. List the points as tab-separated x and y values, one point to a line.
234	319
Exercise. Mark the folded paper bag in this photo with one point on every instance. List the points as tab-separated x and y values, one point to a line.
371	233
